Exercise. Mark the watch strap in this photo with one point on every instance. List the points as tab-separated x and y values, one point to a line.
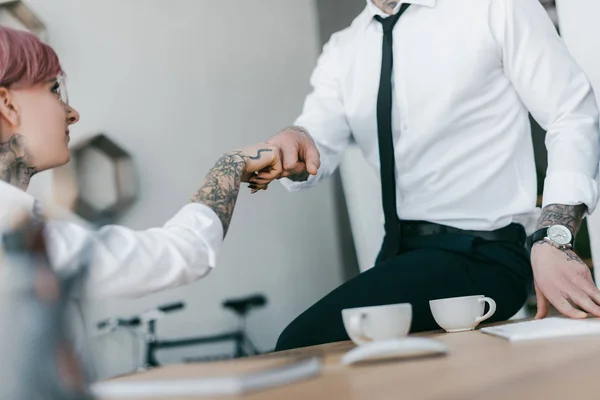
538	235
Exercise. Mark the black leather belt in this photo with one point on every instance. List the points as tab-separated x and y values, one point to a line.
514	233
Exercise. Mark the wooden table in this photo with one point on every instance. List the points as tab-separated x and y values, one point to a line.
478	367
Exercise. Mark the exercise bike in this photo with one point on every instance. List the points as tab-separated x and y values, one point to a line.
144	326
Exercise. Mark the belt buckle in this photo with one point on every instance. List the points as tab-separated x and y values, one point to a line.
431	229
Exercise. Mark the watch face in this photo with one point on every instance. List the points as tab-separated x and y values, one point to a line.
560	234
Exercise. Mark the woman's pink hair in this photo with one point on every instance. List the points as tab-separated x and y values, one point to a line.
25	60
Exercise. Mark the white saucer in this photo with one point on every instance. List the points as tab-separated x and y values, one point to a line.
397	348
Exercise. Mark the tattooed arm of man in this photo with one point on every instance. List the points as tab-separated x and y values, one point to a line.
561	278
222	184
569	216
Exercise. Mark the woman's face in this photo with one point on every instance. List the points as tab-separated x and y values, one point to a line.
41	114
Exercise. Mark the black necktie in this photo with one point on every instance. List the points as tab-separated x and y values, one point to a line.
386	141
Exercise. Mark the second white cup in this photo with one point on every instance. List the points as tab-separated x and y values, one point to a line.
459	314
369	324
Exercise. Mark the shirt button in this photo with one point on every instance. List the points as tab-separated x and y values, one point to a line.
404	127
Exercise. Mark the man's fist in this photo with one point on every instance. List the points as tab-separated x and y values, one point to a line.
299	153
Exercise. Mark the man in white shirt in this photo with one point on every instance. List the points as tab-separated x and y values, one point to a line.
436	93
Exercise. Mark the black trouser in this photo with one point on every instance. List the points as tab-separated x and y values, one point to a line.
427	268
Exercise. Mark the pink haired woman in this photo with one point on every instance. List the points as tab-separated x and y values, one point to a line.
35	117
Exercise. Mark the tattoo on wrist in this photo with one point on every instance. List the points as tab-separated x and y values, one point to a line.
15	163
222	186
569	216
571	255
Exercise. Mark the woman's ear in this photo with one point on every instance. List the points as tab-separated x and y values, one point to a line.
8	109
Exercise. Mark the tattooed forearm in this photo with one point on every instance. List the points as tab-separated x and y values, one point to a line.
222	186
569	216
386	6
558	214
15	163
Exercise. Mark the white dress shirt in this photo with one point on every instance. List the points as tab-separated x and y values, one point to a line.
466	73
124	262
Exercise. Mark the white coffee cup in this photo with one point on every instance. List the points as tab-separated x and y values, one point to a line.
459	314
369	324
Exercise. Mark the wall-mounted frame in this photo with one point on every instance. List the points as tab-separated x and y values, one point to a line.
16	14
99	183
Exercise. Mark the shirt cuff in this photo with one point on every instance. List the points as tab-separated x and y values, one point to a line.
204	222
294	186
570	188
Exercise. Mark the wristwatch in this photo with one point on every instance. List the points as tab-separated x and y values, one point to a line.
558	236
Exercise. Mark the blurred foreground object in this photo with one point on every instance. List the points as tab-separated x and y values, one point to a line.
39	360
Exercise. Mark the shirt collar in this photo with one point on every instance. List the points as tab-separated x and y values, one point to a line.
11	196
372	10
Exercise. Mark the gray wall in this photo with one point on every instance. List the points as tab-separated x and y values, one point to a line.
177	83
335	15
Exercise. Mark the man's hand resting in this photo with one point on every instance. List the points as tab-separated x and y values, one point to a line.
561	277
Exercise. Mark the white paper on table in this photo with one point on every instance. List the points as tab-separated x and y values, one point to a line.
228	385
547	328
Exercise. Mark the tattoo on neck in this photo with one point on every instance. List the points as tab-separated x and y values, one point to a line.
15	163
386	6
222	186
569	216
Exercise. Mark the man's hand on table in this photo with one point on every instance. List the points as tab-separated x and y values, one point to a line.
561	277
299	156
